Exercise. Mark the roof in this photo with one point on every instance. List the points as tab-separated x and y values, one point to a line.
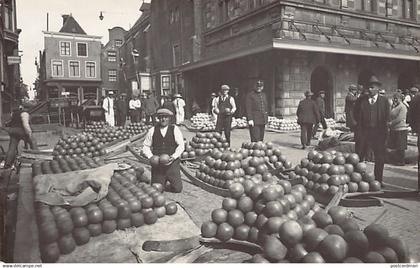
145	6
70	25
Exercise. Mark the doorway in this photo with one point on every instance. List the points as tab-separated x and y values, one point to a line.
405	81
321	80
363	79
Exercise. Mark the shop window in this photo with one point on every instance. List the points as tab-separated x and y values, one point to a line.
65	48
82	50
112	75
57	68
344	3
118	42
74	69
165	82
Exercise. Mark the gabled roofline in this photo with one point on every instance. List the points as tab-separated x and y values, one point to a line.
72	35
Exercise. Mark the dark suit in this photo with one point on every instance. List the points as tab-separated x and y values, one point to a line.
320	102
413	119
256	110
307	115
372	121
348	108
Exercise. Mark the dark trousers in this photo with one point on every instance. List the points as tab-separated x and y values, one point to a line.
150	118
134	116
224	123
375	140
168	174
16	135
121	117
315	128
257	133
306	133
359	145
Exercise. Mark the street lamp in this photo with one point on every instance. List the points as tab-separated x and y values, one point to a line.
101	15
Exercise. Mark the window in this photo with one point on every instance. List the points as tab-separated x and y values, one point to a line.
408	8
65	48
82	50
112	56
118	42
174	16
344	4
91	69
74	69
57	68
176	53
166	81
112	75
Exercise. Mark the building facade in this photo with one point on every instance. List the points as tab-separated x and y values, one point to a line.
10	82
71	62
173	30
111	60
305	45
134	72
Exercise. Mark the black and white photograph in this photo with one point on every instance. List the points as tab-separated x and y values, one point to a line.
209	132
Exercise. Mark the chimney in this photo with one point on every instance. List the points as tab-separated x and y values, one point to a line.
65	17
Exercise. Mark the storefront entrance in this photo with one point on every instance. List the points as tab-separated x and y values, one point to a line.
321	80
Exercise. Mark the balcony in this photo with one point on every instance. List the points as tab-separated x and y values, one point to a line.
11	36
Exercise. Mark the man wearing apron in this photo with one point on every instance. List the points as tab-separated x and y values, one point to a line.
165	138
224	108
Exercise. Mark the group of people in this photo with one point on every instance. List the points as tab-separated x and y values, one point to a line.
139	108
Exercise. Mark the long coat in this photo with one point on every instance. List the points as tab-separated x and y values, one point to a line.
382	112
349	110
256	107
308	112
413	118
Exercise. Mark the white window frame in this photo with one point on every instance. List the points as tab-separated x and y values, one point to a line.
52	69
70	75
116	75
107	55
86	73
162	76
59	47
77	49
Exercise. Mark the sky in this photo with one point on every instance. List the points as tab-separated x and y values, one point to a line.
32	19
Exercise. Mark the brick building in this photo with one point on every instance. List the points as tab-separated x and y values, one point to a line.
71	62
134	71
302	45
9	58
111	60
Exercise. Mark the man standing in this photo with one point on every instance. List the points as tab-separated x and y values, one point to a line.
168	104
121	110
359	142
18	129
256	112
224	108
213	98
351	99
108	106
413	120
151	105
165	138
307	115
320	102
135	106
179	106
373	119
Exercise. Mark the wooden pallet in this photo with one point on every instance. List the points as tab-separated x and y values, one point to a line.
203	185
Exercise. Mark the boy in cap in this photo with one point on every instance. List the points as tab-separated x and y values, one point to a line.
350	101
165	138
224	108
307	115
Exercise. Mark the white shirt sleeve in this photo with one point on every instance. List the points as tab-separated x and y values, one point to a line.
179	139
131	105
147	144
232	102
105	104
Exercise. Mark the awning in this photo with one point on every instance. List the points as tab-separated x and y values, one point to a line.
304	46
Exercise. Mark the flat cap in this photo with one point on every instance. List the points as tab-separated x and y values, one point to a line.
213	94
352	87
164	111
177	95
225	87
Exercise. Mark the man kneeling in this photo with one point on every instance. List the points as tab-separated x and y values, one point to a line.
165	138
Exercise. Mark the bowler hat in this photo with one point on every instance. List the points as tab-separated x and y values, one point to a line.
177	96
374	81
352	87
224	87
308	93
164	111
